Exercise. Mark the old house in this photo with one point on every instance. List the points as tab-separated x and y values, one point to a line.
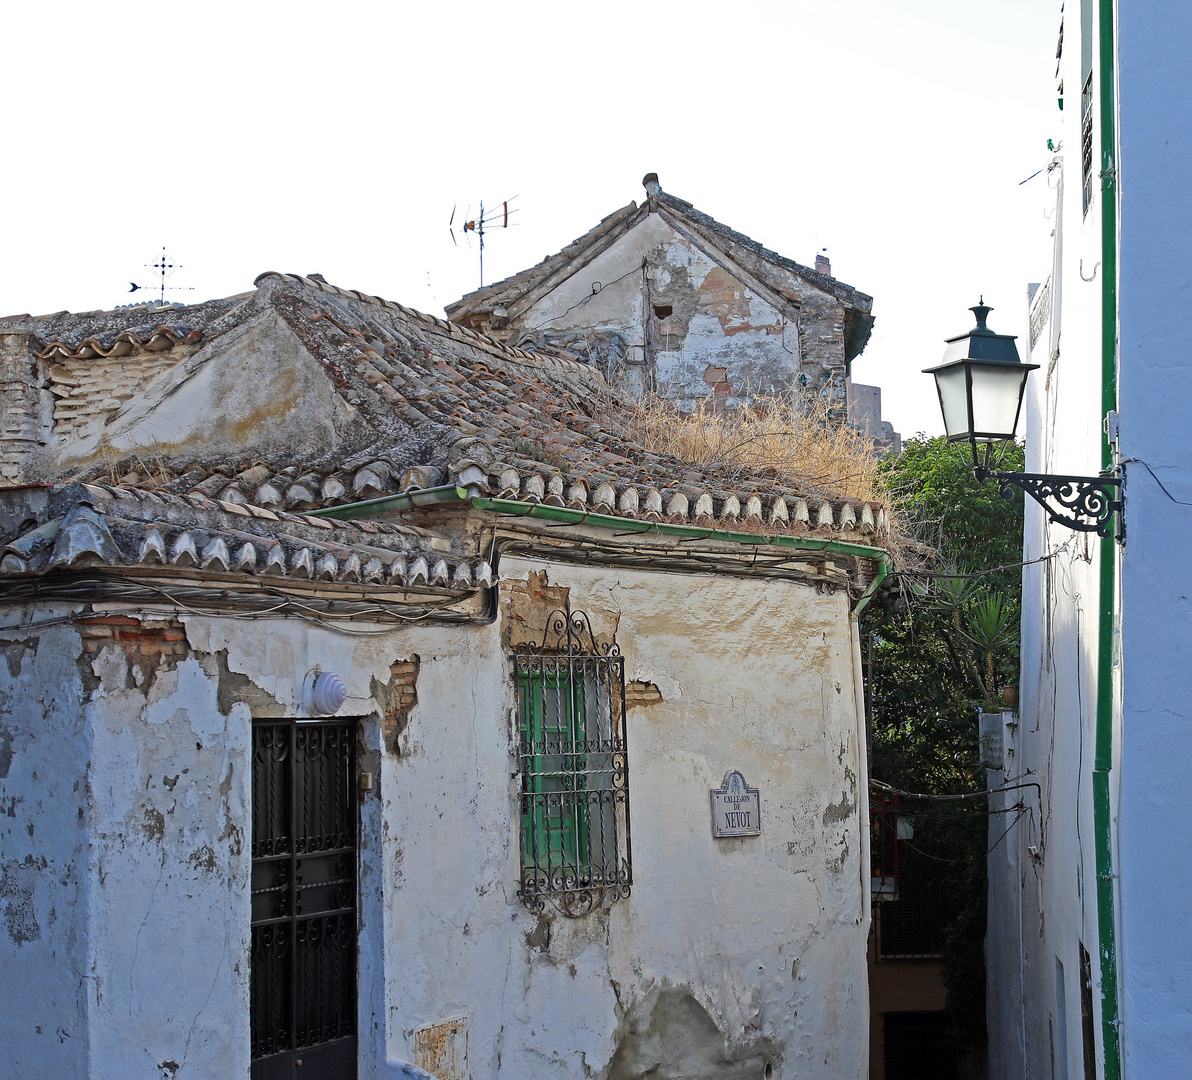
664	299
1088	950
372	699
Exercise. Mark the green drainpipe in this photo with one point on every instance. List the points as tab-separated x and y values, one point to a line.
1107	601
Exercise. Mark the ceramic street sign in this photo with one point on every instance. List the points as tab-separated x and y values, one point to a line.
736	807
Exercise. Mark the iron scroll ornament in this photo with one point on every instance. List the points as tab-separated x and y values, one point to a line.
1084	503
568	629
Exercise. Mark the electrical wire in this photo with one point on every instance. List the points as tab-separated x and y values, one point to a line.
889	789
988	851
597	288
214	603
1163	488
983	573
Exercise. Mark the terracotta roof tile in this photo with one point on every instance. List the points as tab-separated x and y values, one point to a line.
493	419
93	525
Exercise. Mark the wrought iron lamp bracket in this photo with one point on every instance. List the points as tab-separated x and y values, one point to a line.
1084	503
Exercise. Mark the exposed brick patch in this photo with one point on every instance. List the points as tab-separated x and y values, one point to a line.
641	694
397	699
526	605
152	641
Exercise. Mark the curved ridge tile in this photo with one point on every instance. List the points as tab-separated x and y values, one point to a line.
215	555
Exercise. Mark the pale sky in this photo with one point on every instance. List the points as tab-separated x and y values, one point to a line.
336	139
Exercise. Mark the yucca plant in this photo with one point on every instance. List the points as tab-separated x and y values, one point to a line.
991	624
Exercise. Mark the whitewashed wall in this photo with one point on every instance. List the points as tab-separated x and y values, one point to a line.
757	941
126	859
1043	901
1155	386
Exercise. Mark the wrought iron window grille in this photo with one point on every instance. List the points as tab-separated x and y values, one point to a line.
573	767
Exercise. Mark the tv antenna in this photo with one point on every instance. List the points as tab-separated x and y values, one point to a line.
495	218
166	269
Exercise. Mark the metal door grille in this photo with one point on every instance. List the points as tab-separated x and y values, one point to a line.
574	773
303	969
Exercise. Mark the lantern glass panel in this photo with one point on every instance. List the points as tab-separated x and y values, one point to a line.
953	391
996	392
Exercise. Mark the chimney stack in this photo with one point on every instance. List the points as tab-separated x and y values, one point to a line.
650	183
822	265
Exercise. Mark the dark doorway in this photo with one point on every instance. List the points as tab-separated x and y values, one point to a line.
914	1047
303	976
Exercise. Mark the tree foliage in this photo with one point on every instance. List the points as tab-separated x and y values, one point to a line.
941	646
939	649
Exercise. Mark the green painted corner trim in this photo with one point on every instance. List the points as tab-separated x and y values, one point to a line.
1107	599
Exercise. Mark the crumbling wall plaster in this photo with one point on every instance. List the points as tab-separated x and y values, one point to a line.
684	314
43	855
133	754
763	936
125	816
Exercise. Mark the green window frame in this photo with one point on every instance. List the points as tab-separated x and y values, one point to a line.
573	802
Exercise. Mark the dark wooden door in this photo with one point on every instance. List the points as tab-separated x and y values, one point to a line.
303	969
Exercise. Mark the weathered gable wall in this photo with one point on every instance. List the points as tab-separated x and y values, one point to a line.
252	389
682	316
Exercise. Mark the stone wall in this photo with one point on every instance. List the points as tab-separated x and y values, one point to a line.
24	406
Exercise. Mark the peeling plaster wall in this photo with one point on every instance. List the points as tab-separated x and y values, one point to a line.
128	795
716	320
43	857
126	744
753	949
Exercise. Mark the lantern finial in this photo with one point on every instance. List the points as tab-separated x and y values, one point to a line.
981	310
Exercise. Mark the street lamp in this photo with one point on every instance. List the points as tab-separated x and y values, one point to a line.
980	386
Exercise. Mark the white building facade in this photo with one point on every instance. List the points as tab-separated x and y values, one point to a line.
1089	958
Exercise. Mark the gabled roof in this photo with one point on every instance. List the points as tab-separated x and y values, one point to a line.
733	251
437	404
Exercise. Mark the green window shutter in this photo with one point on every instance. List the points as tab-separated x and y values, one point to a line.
573	798
555	809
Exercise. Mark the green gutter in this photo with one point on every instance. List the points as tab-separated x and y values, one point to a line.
371	507
568	516
453	493
1107	600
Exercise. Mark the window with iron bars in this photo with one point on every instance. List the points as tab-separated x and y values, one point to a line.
1086	141
574	790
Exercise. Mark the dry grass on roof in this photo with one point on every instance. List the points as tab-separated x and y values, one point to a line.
798	445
